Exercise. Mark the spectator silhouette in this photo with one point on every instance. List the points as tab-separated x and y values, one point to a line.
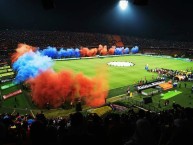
37	133
2	133
143	134
77	133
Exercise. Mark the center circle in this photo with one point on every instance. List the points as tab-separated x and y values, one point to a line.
120	63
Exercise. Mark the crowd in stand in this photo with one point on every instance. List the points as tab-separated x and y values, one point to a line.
174	52
170	127
155	43
4	58
10	39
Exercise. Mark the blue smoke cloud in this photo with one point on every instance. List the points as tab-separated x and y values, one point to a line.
30	65
62	53
118	51
50	52
77	52
126	50
135	49
68	53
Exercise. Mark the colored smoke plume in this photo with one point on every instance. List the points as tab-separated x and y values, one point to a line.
57	88
119	51
103	51
84	51
51	87
100	48
29	65
126	50
50	52
135	49
92	52
112	50
22	49
77	52
100	88
62	53
88	52
34	68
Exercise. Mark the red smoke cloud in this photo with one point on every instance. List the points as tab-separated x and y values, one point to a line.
92	52
57	88
83	51
88	52
51	87
112	50
102	50
21	49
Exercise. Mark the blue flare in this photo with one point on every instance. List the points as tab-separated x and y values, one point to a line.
118	51
30	65
135	49
50	52
77	52
62	53
126	50
68	53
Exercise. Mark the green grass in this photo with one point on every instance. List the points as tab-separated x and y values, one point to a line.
185	98
122	76
149	90
119	78
170	94
21	100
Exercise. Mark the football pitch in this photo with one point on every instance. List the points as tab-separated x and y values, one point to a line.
122	76
118	77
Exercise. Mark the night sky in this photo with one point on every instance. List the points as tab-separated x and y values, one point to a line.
160	19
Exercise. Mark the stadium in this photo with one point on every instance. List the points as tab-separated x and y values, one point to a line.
69	87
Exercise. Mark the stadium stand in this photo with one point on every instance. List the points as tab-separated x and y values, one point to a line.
174	126
141	127
118	41
10	38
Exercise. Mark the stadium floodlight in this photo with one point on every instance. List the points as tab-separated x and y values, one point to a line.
123	4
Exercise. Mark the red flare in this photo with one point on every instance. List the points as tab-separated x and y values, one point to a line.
21	49
84	51
56	88
111	51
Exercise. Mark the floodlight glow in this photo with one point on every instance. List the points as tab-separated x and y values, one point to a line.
123	4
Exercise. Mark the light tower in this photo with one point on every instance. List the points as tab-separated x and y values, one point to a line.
123	4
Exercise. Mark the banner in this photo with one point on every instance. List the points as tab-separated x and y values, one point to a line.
12	94
149	85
